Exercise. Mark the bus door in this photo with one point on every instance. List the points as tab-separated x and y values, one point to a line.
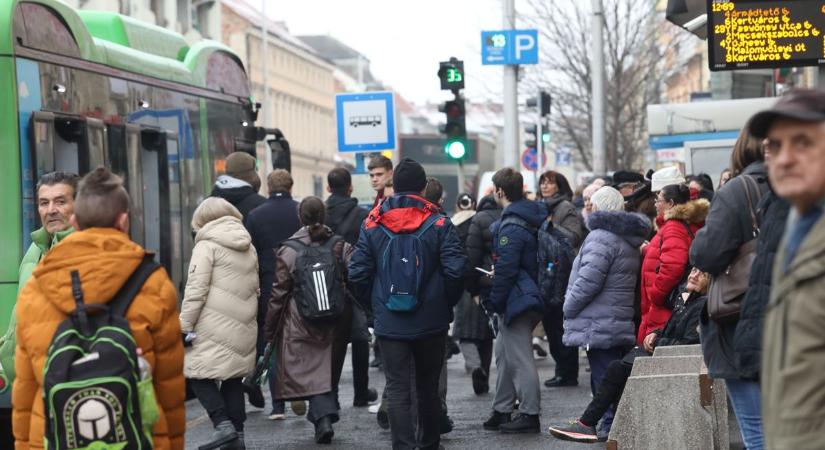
67	143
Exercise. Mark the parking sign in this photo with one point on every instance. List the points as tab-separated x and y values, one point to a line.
510	47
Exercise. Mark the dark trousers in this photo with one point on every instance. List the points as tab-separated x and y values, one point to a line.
428	357
360	368
322	405
277	405
609	392
566	358
600	359
226	403
477	353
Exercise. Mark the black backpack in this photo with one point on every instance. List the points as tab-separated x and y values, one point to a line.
555	257
92	372
319	280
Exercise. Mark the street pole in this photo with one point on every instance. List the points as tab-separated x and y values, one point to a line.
511	138
597	103
265	84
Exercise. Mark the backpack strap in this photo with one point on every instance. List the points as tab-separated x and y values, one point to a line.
123	299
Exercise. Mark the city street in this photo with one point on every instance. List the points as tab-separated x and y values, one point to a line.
358	428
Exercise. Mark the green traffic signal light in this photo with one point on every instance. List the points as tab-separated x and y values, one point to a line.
456	149
545	137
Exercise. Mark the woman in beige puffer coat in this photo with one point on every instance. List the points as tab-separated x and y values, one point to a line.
218	317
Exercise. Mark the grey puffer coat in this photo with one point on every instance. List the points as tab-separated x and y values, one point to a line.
598	307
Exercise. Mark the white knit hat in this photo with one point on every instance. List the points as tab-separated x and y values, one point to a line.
607	199
665	177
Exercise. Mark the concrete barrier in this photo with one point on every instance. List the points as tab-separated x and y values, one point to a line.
678	350
670	402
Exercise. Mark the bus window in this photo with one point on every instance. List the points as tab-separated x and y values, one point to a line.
43	143
154	160
134	182
175	231
71	138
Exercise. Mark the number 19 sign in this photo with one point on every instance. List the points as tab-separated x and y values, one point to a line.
510	47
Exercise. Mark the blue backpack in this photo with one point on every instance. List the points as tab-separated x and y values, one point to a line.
403	267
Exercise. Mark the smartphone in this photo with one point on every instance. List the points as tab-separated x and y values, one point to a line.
485	272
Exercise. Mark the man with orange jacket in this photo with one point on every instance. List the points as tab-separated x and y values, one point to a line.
105	258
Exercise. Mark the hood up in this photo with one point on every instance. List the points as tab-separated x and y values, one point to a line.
338	207
631	227
401	213
487	203
533	213
692	212
104	257
227	232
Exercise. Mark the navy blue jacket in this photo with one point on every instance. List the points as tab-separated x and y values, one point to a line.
515	290
444	265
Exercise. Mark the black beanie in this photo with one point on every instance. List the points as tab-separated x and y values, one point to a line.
409	176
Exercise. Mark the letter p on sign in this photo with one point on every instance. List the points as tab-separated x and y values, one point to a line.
526	49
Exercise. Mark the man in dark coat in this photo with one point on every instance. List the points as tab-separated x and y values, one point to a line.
345	218
240	183
472	324
516	300
411	325
269	225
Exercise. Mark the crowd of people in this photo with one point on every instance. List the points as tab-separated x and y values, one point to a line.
623	265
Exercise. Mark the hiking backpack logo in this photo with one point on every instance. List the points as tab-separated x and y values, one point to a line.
319	279
402	266
97	394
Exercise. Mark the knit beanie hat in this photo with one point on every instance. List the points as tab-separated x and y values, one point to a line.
409	176
665	177
607	199
241	165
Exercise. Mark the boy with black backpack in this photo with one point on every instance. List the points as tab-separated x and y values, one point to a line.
99	348
409	266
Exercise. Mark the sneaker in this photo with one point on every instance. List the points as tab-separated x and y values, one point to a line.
236	445
324	431
560	382
299	407
496	420
481	383
360	402
375	363
373	409
276	416
224	434
383	419
522	423
576	431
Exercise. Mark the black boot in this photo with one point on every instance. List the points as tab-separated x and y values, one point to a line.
224	434
496	420
480	382
522	423
323	430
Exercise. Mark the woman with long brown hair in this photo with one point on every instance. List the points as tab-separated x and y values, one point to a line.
309	317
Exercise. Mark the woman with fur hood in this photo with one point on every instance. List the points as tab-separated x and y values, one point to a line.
598	306
665	258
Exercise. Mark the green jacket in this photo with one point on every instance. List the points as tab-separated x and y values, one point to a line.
793	361
42	242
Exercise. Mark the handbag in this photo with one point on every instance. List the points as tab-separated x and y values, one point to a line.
728	288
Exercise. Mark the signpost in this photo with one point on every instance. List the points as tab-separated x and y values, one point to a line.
366	121
765	34
530	159
510	47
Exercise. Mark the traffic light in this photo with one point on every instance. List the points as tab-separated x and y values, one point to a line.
455	129
545	101
451	74
531	141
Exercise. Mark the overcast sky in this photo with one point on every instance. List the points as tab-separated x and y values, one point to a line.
405	40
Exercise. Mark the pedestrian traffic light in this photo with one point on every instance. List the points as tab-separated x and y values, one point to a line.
455	129
544	104
451	74
531	141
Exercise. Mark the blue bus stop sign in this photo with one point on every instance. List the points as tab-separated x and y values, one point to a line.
509	47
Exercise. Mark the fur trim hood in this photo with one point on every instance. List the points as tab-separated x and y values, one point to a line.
693	212
462	216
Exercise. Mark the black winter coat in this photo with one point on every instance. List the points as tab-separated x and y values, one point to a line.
269	225
565	217
471	321
244	198
747	341
727	227
682	327
345	217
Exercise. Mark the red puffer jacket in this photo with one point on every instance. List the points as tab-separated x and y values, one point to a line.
674	240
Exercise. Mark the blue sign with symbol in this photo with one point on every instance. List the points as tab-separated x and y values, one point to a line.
366	121
530	159
510	47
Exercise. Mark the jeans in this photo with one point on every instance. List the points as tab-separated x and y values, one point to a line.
744	397
609	392
517	376
322	405
224	403
566	358
428	357
600	359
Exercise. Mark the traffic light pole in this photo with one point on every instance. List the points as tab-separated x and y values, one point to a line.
510	141
597	105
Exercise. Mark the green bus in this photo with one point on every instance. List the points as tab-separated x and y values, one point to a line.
85	88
